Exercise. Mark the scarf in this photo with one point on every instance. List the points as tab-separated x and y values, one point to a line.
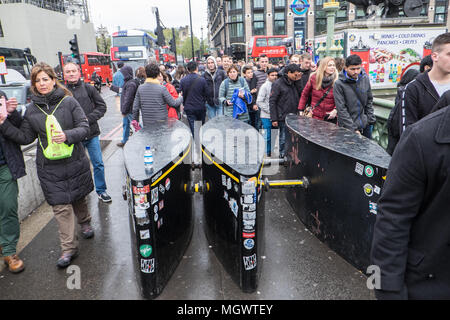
327	81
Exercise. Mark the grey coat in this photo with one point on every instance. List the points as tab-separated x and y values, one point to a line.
151	100
263	99
352	113
240	83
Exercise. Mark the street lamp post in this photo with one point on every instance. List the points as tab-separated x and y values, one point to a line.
224	28
330	8
201	45
192	33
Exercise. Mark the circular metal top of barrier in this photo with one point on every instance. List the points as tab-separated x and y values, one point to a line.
341	140
168	139
234	143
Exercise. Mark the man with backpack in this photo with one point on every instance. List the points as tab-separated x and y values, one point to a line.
194	92
394	122
128	92
94	107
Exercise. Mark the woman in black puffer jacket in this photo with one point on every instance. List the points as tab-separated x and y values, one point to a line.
65	182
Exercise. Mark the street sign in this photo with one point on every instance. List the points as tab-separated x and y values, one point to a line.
3	68
299	7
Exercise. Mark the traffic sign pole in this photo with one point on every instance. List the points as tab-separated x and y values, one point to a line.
3	69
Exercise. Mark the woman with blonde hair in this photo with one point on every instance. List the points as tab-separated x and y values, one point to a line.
319	90
59	123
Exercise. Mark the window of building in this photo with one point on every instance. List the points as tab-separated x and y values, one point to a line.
236	25
320	21
1	30
258	4
258	24
341	14
280	3
440	11
360	14
235	4
279	23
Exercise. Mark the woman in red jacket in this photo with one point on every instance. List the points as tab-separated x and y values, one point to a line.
319	90
165	80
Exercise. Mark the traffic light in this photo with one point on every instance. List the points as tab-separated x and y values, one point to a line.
173	45
233	50
75	49
161	41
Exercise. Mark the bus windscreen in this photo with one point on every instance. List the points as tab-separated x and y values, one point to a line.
132	41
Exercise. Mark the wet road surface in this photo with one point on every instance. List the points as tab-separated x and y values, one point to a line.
295	264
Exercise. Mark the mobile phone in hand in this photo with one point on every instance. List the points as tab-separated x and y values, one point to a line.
3	111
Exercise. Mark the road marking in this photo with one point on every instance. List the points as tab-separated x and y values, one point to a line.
112	132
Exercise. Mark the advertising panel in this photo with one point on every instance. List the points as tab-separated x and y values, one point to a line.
387	53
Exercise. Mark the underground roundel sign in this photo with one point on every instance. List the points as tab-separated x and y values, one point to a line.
299	7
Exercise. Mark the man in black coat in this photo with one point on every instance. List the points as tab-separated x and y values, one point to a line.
12	167
283	100
213	77
128	92
411	241
94	107
425	91
193	87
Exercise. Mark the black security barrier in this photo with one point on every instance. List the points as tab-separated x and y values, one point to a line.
160	209
346	174
232	162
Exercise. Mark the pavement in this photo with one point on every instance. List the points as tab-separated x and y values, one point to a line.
295	265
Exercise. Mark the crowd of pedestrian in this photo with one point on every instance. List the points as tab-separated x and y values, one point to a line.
64	119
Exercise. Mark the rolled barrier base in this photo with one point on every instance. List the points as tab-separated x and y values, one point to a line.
234	200
160	210
346	175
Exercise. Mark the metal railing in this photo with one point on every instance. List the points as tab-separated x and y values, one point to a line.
382	108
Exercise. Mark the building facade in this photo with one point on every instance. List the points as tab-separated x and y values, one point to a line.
46	27
247	18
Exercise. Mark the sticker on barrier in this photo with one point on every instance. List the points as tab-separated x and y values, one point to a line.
148	265
250	262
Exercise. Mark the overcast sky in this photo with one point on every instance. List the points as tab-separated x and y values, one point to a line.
130	14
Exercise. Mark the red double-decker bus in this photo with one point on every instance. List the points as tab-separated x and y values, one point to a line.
272	46
164	55
94	61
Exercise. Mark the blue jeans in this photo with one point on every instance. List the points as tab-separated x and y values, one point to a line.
126	127
195	115
282	138
95	154
267	126
214	111
255	118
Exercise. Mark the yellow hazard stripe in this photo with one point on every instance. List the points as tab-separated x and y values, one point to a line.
220	167
173	167
284	183
260	173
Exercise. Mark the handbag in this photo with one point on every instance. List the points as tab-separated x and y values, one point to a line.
309	110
